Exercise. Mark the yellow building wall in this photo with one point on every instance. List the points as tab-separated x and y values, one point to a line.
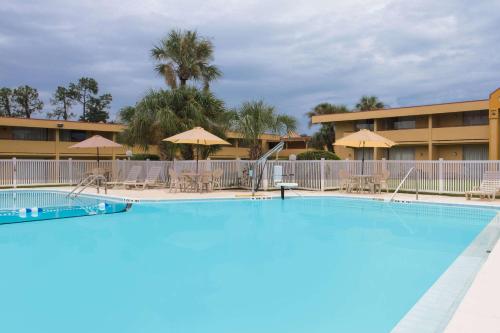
450	152
494	115
421	153
342	129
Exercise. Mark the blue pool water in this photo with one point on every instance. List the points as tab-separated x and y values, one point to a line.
29	206
298	265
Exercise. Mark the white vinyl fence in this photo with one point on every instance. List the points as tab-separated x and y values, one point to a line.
433	176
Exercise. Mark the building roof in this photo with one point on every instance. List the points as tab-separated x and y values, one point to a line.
103	127
271	137
61	124
405	111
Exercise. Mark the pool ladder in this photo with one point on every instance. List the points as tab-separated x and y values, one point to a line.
412	169
86	182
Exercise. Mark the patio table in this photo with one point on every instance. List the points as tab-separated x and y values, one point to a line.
362	180
194	179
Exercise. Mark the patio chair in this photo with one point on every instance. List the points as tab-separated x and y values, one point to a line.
176	182
379	181
152	178
217	179
205	181
488	188
347	183
131	180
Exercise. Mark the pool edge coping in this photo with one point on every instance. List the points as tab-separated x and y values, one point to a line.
445	297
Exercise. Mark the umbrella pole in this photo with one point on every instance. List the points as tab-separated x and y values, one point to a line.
197	155
98	171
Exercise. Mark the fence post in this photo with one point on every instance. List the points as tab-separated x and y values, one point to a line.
14	172
70	170
384	164
239	174
265	184
209	164
441	176
322	174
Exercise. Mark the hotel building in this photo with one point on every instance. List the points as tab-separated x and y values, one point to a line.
50	139
467	130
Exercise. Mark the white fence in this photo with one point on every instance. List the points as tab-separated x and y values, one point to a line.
433	176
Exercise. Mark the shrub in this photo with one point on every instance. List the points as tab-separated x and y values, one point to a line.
317	155
143	157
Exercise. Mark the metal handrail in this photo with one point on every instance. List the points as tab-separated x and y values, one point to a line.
276	149
401	184
86	182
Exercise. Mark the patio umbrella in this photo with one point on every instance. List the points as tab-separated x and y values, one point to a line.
364	139
197	136
97	142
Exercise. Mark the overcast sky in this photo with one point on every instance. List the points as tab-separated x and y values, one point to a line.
292	54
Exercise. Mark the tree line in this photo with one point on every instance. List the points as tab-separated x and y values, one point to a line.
184	60
24	101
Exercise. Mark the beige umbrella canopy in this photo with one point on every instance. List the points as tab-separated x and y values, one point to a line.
364	139
197	136
97	142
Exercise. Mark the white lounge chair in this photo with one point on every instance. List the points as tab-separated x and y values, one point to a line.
151	178
279	181
131	179
488	188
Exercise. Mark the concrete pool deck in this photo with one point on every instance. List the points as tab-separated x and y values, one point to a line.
478	311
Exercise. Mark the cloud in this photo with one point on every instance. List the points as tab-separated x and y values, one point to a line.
292	54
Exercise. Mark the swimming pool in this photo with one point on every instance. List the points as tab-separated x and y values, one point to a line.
298	265
27	206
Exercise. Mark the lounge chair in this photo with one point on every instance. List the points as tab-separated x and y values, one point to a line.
347	183
488	188
131	179
151	178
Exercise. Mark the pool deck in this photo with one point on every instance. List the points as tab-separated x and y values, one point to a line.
479	311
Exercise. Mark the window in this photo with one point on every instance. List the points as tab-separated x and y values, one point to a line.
398	123
364	124
107	135
405	123
28	133
475	118
232	142
272	144
296	144
358	153
475	152
242	143
402	153
72	135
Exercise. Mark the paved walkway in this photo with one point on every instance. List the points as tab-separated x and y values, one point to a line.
479	311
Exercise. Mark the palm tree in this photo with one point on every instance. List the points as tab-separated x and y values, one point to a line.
163	113
325	136
256	118
183	56
370	103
